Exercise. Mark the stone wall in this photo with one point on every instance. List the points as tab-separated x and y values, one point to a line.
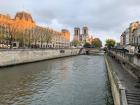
131	62
118	91
19	56
130	58
137	59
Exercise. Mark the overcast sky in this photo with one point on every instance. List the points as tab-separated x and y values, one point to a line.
105	18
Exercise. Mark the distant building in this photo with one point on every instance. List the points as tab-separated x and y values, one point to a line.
133	26
82	37
77	35
26	32
136	37
130	38
127	39
123	39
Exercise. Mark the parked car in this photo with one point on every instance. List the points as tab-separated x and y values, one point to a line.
4	46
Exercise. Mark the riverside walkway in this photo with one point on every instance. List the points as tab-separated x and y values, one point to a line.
129	82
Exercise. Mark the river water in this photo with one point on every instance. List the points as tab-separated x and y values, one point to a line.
79	80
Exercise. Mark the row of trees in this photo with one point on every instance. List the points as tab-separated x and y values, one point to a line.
95	43
31	37
110	43
26	37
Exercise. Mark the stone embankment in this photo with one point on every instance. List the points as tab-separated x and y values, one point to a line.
125	86
118	91
21	56
130	62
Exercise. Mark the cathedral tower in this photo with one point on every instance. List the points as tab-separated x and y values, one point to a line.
76	33
85	31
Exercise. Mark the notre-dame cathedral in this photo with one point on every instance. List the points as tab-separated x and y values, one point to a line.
82	36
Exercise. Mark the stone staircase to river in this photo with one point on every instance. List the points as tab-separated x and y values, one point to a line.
133	98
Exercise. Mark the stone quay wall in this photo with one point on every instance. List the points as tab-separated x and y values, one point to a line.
131	58
21	56
131	62
118	91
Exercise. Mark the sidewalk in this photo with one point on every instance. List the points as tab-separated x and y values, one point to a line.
128	81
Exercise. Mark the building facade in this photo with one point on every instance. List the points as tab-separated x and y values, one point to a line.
82	35
77	35
136	37
130	38
23	30
123	39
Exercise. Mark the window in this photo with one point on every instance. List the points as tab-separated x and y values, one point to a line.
14	44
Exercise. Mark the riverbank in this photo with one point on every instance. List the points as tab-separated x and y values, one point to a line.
123	85
22	56
116	86
129	62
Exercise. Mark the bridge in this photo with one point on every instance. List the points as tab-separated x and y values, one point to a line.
93	51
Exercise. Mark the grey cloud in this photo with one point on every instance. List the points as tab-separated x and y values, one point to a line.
102	17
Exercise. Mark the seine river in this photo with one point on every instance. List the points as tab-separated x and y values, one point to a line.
78	80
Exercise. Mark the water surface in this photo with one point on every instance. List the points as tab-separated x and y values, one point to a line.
79	80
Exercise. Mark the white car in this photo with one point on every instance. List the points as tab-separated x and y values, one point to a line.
4	46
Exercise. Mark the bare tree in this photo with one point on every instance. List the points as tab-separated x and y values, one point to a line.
48	36
12	34
35	36
42	36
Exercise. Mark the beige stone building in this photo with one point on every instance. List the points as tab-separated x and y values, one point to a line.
22	30
83	36
130	38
